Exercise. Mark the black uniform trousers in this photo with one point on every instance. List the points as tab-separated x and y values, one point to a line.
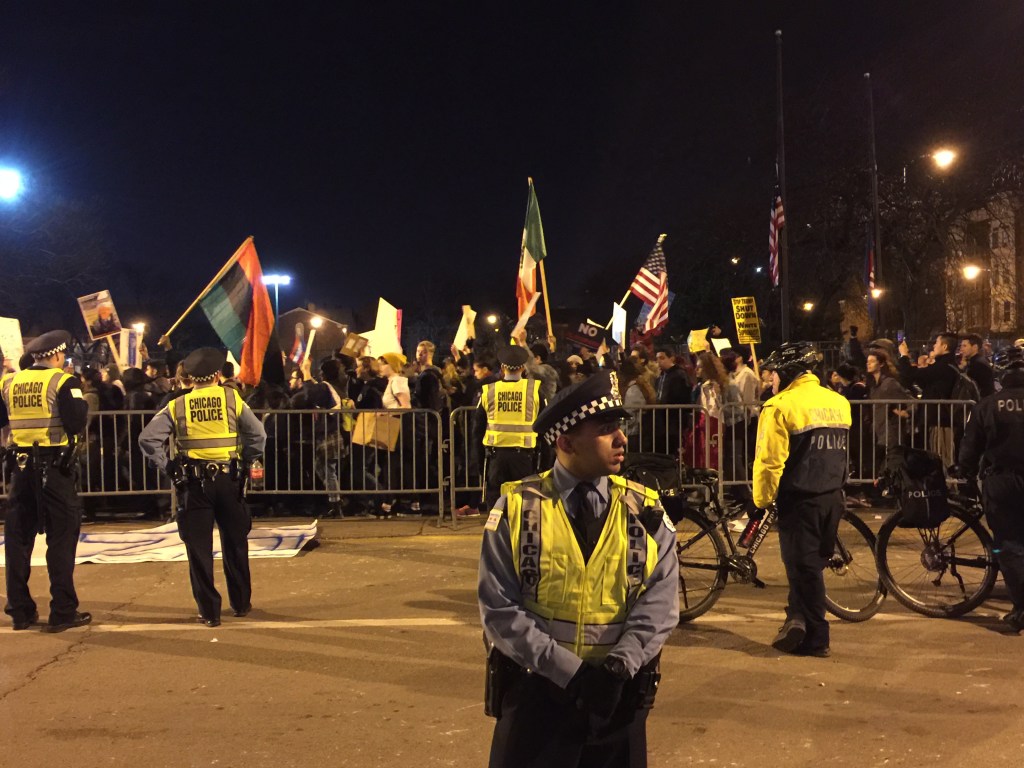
540	727
62	514
1002	494
210	501
807	526
505	465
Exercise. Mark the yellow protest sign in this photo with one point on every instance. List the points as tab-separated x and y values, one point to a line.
748	326
697	340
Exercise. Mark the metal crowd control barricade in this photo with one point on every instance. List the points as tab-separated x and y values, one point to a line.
465	459
879	425
737	435
332	454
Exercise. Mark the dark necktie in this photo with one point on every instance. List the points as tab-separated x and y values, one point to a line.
588	522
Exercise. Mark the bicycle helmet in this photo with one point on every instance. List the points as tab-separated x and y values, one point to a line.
791	360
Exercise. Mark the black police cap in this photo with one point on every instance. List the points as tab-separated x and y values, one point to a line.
595	396
204	363
513	357
50	343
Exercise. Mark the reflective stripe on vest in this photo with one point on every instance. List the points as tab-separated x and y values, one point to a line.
31	399
581	604
511	408
206	423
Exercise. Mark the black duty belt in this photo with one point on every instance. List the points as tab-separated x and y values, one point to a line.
502	449
208	470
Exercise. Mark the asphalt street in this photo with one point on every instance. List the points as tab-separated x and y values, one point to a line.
366	651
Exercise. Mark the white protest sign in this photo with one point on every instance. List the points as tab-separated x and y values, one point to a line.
10	340
618	324
467	329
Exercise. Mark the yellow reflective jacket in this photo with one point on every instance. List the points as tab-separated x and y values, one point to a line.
31	399
582	604
802	436
206	423
511	408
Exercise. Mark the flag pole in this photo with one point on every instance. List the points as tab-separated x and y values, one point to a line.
783	236
165	340
547	304
877	245
661	239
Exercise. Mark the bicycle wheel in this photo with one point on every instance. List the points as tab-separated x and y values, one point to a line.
702	568
853	590
940	572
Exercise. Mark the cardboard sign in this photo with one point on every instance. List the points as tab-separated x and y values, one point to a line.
11	343
387	331
585	335
99	314
748	326
377	430
721	344
354	345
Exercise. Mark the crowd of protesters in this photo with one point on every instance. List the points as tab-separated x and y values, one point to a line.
309	422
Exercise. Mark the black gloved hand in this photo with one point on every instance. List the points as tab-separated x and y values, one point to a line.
176	473
598	692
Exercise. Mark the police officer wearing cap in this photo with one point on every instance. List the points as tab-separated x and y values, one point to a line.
578	592
509	407
43	410
993	448
217	437
800	465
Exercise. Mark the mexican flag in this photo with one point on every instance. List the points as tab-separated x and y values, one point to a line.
238	307
533	250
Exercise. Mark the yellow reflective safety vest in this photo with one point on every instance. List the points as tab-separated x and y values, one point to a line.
802	436
31	399
511	408
581	604
206	423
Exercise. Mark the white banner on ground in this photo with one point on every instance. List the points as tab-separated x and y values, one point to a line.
11	341
163	545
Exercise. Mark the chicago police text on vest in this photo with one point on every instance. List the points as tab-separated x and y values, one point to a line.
28	394
206	409
510	401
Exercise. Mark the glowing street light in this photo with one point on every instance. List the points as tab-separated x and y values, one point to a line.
492	319
316	321
277	281
735	259
971	272
876	293
139	328
944	158
808	306
11	184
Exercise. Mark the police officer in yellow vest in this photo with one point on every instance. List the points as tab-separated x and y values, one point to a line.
578	592
510	407
43	411
800	465
217	437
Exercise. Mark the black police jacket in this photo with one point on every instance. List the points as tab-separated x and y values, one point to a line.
994	438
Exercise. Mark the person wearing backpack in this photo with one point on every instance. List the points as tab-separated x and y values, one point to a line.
937	382
993	449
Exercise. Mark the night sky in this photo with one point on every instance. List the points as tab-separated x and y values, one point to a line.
384	148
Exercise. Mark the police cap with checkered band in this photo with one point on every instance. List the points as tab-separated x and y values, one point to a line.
204	363
49	344
595	397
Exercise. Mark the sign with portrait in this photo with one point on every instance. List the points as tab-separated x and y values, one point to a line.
100	317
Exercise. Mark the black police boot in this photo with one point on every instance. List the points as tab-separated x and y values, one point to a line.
20	624
1014	620
791	635
80	620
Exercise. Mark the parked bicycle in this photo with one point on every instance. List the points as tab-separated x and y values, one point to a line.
941	571
709	554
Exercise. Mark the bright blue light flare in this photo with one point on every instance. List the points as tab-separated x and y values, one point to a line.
277	279
10	184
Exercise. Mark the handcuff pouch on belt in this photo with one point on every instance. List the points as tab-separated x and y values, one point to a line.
501	671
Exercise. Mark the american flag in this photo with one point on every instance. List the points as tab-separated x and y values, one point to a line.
775	225
651	286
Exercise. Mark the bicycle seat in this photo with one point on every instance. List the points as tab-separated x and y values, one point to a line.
700	475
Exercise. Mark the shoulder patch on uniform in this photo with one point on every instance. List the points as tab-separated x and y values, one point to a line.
75	392
668	522
493	519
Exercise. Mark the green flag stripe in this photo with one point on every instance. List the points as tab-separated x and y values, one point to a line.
533	230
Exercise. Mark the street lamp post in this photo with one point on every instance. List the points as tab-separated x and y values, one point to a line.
277	281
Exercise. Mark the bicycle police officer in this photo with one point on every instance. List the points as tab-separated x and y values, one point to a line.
578	592
800	464
510	407
45	410
993	448
217	436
